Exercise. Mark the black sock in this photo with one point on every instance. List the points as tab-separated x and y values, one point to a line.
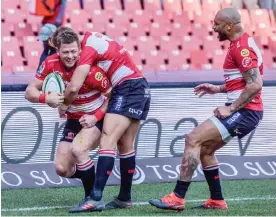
86	172
104	168
127	169
212	176
181	188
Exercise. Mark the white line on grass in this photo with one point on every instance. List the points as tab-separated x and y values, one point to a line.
135	204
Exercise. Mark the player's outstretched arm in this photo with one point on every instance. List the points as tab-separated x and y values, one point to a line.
77	80
254	83
207	88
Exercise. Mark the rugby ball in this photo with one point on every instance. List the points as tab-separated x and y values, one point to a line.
53	83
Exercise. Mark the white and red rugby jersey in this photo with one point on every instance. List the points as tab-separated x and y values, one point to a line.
90	96
243	54
110	56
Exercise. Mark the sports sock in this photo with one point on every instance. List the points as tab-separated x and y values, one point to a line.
104	168
127	169
212	176
181	188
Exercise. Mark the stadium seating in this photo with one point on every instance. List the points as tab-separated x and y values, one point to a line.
175	35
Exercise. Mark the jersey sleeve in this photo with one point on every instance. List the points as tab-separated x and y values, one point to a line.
43	70
97	79
246	59
88	53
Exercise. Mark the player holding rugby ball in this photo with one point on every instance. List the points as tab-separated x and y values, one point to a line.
84	116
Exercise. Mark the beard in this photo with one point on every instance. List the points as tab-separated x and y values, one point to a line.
222	36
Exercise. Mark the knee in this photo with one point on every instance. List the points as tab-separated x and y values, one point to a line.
61	170
191	140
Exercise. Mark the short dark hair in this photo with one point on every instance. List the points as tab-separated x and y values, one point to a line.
65	35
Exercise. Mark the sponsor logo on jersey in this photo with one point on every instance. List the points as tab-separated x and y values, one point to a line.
99	76
245	52
104	83
246	61
40	69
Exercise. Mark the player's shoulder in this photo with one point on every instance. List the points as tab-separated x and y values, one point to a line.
243	45
54	58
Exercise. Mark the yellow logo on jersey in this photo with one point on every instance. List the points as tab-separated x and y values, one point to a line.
245	52
99	76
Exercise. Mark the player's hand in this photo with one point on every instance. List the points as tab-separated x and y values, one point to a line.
222	112
206	88
88	121
54	99
62	110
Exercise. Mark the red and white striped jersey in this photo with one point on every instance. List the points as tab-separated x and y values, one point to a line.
110	56
243	54
90	96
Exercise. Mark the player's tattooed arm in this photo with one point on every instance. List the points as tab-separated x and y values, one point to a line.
222	88
253	85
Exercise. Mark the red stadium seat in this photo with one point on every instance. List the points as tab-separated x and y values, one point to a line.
120	17
157	30
173	6
112	5
94	27
200	30
199	60
218	57
179	30
30	43
191	6
90	5
226	3
135	30
5	29
145	43
210	43
24	5
114	31
259	16
33	59
14	16
204	17
152	5
73	5
11	57
211	6
191	43
272	43
181	18
162	17
12	4
268	59
168	43
100	16
34	21
132	5
127	43
22	68
23	29
156	59
10	42
5	68
245	18
178	60
137	57
78	18
142	17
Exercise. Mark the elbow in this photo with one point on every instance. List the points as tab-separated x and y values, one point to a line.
27	95
72	89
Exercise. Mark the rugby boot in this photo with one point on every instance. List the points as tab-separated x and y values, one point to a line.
170	201
213	204
118	204
88	205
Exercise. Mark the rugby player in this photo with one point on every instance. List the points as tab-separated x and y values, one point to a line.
243	70
84	116
129	103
